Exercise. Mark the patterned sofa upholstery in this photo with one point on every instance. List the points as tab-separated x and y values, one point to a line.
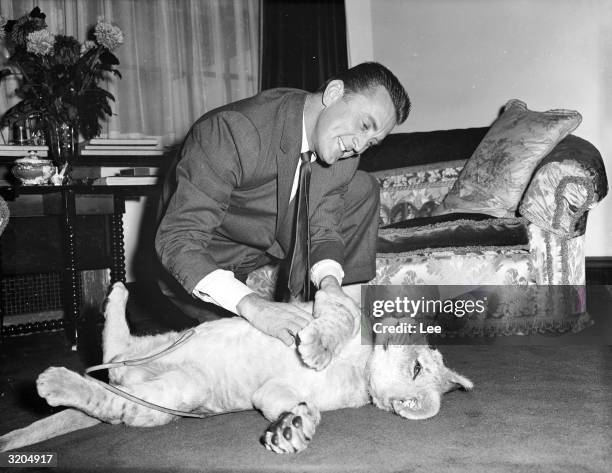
415	172
4	215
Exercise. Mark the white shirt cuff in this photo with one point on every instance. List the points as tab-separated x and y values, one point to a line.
221	288
326	267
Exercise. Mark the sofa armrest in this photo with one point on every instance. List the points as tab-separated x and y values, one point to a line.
565	186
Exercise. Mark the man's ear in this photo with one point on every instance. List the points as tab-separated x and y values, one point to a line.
333	91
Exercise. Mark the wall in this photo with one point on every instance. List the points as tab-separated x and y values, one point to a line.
461	60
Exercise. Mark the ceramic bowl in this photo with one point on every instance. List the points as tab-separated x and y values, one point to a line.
33	170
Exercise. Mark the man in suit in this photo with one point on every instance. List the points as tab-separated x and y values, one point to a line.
228	207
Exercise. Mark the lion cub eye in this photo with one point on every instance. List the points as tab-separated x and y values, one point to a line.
416	370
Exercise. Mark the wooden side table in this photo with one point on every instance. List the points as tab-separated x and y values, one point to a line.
74	201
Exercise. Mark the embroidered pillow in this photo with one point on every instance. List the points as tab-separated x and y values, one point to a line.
497	174
415	191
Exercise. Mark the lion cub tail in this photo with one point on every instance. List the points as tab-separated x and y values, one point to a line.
61	423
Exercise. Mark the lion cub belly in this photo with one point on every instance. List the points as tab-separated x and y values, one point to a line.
230	360
341	384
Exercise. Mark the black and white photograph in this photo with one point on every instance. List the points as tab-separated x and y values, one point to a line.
336	236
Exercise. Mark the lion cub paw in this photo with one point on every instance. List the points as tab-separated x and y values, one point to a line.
336	321
118	294
293	430
316	347
59	386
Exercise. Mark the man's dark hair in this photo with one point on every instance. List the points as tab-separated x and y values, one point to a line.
369	76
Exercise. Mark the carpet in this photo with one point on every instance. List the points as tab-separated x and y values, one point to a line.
534	408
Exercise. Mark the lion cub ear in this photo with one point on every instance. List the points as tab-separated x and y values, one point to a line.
452	380
423	405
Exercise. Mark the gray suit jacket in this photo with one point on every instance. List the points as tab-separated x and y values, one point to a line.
226	203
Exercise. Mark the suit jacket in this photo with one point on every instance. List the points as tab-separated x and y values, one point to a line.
226	201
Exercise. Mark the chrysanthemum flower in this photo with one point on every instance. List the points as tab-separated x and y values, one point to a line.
87	45
24	26
108	35
66	49
40	42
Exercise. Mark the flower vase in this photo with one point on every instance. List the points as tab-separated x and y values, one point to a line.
63	143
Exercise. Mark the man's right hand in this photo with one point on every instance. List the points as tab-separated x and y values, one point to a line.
277	319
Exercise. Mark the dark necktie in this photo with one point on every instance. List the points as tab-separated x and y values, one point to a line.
299	270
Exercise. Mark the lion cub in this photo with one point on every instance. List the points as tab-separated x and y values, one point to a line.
228	365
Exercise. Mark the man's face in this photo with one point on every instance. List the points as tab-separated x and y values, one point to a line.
351	123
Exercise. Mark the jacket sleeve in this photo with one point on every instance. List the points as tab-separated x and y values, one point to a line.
331	182
210	166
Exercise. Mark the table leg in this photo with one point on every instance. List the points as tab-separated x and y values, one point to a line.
118	250
71	280
2	310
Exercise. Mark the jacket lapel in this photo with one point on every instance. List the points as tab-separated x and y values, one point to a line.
287	157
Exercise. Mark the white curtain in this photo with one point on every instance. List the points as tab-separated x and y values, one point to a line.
180	58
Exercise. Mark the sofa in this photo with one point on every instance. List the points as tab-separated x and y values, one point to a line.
528	258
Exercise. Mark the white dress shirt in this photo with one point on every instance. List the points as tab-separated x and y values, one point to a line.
221	287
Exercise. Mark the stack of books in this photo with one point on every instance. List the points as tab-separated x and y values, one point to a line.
138	176
20	151
147	146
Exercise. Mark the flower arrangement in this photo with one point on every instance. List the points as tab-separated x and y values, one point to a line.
60	76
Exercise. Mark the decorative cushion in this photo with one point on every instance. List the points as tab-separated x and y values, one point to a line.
496	176
264	280
414	191
452	231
